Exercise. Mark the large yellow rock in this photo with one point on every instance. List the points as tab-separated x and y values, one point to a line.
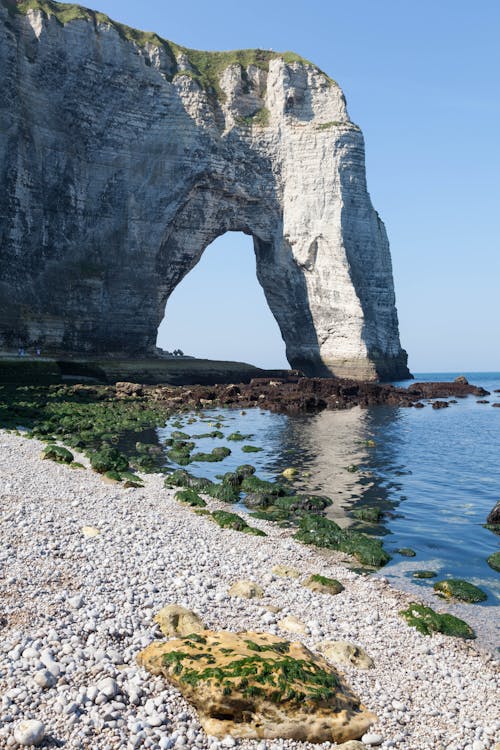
256	685
175	620
246	590
345	653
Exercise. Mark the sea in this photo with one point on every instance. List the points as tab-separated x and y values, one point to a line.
435	474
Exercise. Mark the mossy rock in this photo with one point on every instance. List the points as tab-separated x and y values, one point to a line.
225	492
237	436
217	454
424	574
406	552
232	479
182	478
302	503
273	515
58	454
494	561
131	480
352	468
456	588
427	621
262	487
323	585
181	457
214	434
494	527
177	435
77	465
233	521
245	470
112	475
251	449
108	459
370	515
322	532
190	497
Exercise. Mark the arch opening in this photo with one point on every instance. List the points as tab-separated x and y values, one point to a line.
219	310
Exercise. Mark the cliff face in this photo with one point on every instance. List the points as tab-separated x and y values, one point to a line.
122	156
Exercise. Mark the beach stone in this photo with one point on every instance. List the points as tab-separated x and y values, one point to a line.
29	732
289	473
372	739
246	590
90	531
256	709
323	585
286	571
108	687
343	652
175	620
45	679
292	624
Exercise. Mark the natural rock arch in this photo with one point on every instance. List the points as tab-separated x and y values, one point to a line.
124	156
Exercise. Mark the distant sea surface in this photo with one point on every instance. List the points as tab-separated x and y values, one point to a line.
434	473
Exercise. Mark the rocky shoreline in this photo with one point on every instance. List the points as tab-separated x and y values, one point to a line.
79	607
296	394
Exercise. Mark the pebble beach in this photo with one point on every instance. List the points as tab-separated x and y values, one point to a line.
86	564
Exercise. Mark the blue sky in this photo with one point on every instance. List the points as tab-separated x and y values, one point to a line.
422	81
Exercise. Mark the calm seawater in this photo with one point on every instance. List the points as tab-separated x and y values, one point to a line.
435	474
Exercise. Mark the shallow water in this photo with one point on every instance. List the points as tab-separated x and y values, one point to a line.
435	473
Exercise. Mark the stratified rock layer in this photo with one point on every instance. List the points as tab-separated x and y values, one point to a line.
257	685
123	156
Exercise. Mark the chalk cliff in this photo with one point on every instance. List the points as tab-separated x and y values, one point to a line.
122	156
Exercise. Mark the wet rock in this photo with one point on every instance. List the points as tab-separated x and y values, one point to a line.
462	380
246	590
424	574
427	621
440	404
289	473
494	561
124	389
456	588
309	702
175	620
494	515
343	652
406	552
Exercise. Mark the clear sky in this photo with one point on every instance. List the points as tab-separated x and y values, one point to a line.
422	80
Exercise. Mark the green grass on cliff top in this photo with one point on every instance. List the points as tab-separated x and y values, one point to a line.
207	66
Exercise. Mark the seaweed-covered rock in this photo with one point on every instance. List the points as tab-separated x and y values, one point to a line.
237	436
289	473
225	492
58	454
233	521
322	532
245	470
217	454
424	574
251	449
345	653
263	487
370	515
259	686
323	585
456	588
302	503
406	552
175	621
190	497
182	478
246	590
108	459
427	621
494	561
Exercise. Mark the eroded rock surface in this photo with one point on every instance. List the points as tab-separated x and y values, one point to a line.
123	156
256	685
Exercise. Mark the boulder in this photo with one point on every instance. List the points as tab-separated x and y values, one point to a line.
285	571
348	654
258	686
323	585
124	389
494	515
175	620
292	624
246	590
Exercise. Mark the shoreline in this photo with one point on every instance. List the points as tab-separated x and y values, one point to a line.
90	602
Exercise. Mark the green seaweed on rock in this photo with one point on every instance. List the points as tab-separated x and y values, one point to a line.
322	532
190	497
233	521
427	621
108	459
494	561
456	588
58	454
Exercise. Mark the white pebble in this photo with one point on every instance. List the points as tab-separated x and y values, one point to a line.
29	732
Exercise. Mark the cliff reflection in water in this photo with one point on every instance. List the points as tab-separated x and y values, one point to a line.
336	452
